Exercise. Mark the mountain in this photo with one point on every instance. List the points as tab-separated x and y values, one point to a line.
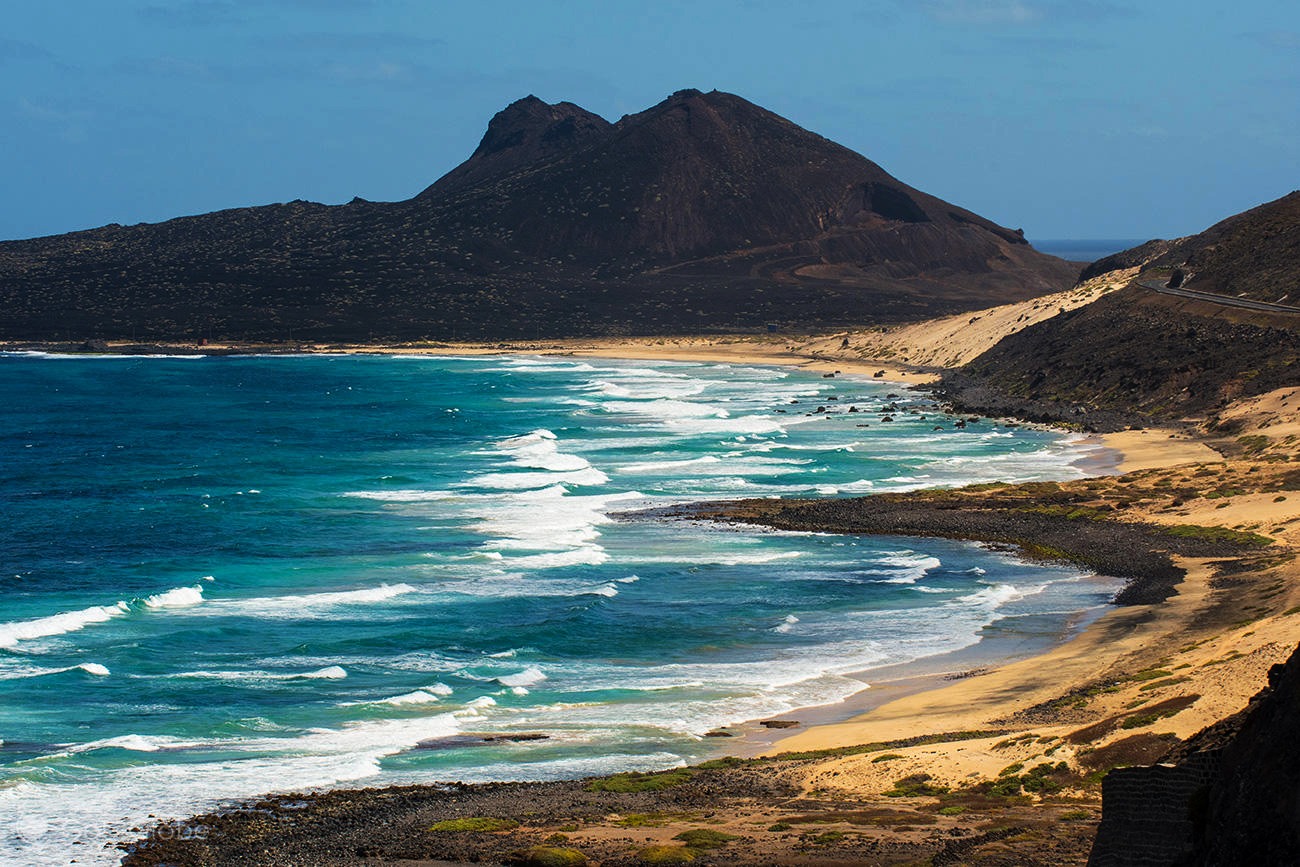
1141	354
703	213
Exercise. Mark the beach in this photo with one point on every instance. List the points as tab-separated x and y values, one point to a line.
915	776
1194	649
1188	660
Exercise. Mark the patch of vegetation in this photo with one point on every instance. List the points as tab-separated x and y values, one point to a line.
779	826
665	855
1011	769
705	838
953	810
887	757
1075	815
1046	778
1157	684
877	816
1150	674
550	856
915	786
478	824
860	749
1069	512
722	764
1139	749
1218	534
1253	444
1035	551
828	838
633	781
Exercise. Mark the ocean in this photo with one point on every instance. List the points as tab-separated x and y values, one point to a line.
227	576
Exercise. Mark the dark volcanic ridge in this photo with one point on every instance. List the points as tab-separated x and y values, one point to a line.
1139	355
703	213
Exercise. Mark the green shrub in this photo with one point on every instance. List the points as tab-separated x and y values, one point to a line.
633	781
550	856
665	855
915	786
705	838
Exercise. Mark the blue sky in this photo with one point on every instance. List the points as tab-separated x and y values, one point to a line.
1069	118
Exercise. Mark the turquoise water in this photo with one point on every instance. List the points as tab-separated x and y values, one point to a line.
224	576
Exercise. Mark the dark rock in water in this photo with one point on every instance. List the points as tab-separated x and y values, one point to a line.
702	213
719	733
779	723
455	742
878	374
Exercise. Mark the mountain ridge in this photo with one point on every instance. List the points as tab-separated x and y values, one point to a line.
702	213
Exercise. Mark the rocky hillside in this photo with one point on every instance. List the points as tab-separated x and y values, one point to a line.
1138	354
703	213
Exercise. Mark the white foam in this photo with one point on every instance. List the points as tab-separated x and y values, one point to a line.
751	559
307	605
997	595
786	624
586	555
402	496
418	696
331	672
539	450
589	476
94	668
135	743
180	597
907	568
58	624
527	677
661	466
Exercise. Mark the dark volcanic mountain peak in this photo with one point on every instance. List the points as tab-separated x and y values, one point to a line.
525	132
702	213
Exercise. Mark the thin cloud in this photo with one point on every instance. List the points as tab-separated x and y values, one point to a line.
1020	12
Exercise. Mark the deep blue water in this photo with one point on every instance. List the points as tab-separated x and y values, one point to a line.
1086	250
223	576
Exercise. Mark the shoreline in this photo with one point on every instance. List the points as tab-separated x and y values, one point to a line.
1132	684
920	697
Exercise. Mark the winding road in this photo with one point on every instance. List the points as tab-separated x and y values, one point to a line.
1226	301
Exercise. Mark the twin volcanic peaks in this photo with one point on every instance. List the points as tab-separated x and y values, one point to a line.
704	213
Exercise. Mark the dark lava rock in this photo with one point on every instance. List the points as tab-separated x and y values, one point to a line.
779	723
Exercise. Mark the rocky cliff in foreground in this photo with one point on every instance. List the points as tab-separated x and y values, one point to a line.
703	213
